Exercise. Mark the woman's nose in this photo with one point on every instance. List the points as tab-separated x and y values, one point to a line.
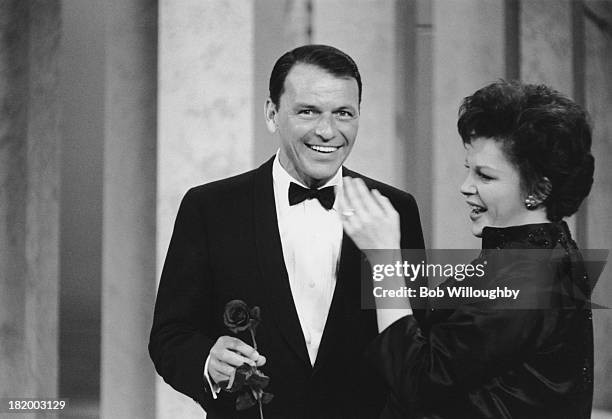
467	187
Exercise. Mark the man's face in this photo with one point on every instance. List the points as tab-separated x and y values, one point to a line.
317	121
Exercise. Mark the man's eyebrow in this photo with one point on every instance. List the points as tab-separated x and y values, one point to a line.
345	107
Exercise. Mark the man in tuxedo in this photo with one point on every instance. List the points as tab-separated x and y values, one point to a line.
273	238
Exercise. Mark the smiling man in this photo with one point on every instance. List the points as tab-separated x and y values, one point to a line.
317	117
273	238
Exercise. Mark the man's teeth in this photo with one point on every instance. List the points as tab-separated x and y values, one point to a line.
323	149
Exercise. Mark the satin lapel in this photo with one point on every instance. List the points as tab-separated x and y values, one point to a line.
272	264
338	317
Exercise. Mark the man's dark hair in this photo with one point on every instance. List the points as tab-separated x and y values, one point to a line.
330	59
542	132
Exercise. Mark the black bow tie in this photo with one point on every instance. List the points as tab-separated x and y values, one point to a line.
326	196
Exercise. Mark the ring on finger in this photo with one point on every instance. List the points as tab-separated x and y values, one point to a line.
349	212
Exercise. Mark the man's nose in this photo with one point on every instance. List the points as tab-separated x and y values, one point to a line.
325	127
467	187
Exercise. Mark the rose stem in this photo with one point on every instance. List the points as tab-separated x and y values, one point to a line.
259	393
253	337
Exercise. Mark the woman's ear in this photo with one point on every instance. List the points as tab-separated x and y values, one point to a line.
270	115
542	189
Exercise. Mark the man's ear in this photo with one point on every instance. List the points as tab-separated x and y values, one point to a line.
270	115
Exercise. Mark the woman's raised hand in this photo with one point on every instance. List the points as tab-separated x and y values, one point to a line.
368	217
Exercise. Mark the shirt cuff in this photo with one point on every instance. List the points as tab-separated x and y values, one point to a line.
214	388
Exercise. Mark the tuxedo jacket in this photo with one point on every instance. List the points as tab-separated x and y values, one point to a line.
226	246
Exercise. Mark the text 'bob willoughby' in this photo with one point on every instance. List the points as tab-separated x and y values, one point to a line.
442	292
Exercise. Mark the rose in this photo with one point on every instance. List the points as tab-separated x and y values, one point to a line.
238	318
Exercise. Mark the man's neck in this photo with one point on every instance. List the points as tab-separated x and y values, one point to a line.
301	180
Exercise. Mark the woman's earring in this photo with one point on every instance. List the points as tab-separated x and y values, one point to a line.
531	202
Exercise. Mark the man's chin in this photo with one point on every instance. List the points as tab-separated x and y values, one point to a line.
320	175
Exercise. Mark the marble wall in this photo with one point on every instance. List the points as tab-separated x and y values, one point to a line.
546	56
129	199
342	23
546	43
81	93
108	78
598	94
205	117
468	53
279	26
29	198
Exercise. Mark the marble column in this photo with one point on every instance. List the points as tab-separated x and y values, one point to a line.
546	43
546	55
129	199
205	117
468	53
82	97
279	26
29	183
365	29
413	86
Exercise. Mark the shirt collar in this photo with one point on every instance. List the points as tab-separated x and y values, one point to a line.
543	235
282	179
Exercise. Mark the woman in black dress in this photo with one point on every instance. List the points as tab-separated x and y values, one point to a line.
529	166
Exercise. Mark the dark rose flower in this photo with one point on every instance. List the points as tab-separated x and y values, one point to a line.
237	316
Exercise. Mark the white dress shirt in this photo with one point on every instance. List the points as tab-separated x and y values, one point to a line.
311	237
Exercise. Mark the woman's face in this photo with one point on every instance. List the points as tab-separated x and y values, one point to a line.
492	187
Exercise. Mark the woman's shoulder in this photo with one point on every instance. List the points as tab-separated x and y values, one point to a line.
529	236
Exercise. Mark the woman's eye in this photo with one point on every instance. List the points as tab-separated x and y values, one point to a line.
484	177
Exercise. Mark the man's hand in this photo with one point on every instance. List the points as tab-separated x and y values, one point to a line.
227	354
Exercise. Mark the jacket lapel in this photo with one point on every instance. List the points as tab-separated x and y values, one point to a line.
338	317
271	262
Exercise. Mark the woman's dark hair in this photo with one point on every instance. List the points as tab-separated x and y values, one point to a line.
542	132
328	58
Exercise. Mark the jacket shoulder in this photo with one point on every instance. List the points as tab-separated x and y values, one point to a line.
393	193
405	205
229	187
